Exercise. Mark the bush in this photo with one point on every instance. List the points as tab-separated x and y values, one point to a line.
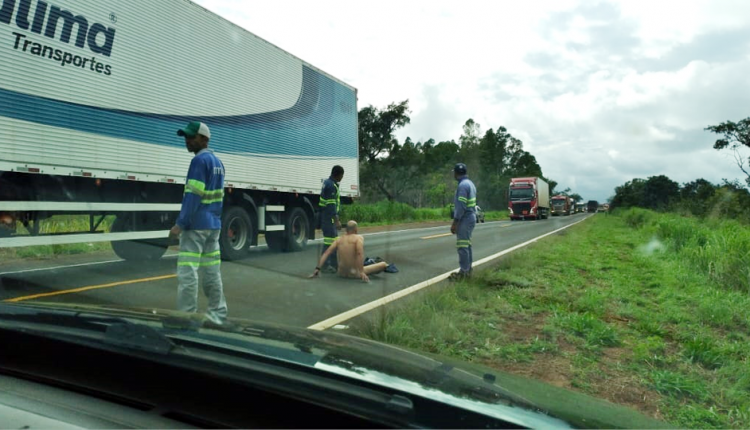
389	212
719	248
637	218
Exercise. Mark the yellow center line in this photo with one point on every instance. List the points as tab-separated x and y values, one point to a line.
92	287
437	235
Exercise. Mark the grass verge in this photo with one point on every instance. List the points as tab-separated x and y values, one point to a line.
60	224
385	213
609	308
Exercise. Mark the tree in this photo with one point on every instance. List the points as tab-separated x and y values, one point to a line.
659	192
470	139
731	200
630	194
552	185
736	136
695	196
576	197
376	129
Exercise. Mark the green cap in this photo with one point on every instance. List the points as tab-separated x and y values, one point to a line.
193	128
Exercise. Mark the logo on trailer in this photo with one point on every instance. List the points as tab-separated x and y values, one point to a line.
45	20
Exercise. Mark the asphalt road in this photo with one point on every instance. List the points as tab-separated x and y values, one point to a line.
268	286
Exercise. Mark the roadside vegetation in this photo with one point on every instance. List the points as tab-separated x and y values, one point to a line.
59	224
386	212
644	309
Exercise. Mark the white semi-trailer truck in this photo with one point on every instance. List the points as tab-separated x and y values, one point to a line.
91	96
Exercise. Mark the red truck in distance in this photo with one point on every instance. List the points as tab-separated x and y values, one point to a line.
528	198
560	205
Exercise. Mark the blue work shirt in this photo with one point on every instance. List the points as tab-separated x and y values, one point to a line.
465	201
203	199
330	199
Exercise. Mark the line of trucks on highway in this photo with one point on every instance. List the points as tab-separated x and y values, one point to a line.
528	198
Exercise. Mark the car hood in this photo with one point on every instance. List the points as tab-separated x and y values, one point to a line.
524	401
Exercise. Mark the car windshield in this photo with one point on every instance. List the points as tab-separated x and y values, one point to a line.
316	166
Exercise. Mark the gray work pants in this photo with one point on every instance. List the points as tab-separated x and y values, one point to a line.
463	241
330	234
200	254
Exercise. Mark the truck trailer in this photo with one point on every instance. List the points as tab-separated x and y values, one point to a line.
528	198
93	92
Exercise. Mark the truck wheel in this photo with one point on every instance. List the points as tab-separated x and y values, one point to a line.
297	227
135	250
294	236
236	234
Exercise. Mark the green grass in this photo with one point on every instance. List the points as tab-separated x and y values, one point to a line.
59	224
642	301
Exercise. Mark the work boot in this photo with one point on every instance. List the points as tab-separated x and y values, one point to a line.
459	276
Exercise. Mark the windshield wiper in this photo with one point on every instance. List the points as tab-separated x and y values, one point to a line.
113	331
138	336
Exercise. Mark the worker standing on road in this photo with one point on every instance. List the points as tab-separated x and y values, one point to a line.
464	220
199	226
329	205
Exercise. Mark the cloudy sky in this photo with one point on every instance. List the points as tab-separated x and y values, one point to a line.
600	92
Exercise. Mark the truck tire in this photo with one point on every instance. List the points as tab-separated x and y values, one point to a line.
294	236
136	250
297	227
236	233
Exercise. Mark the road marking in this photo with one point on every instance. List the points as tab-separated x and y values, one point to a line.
425	228
94	263
352	313
92	287
437	235
506	225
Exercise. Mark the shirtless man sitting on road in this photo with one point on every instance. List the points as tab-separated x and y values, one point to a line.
350	250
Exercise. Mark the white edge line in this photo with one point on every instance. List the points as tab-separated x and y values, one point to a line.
338	319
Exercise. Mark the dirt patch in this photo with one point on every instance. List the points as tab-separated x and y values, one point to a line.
617	387
612	384
553	369
628	390
525	329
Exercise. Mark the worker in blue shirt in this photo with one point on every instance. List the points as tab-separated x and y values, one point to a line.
464	220
199	226
329	206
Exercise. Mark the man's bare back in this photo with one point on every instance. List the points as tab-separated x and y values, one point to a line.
351	255
350	250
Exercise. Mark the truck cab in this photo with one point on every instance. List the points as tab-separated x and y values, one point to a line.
560	205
